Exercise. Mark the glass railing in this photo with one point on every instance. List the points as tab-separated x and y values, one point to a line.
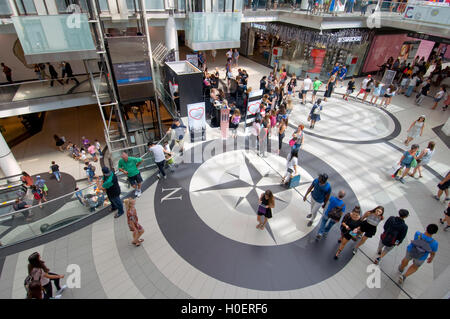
29	90
357	7
27	223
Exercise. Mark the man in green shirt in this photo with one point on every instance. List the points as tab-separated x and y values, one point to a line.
316	85
129	166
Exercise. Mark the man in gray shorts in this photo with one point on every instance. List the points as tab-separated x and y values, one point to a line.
395	230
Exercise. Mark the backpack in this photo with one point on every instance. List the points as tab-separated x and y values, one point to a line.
419	248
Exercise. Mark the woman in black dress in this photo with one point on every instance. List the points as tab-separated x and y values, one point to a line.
349	228
330	86
266	203
59	142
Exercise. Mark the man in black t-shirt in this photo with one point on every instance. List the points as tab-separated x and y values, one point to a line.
423	92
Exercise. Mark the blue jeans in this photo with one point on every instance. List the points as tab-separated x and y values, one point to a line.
57	175
116	203
409	90
325	225
161	167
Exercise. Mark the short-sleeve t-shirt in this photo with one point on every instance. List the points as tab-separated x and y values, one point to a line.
320	191
179	131
316	85
364	83
54	168
307	84
92	149
130	165
408	158
433	244
158	153
334	202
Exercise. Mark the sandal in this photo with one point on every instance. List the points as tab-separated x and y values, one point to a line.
136	244
141	240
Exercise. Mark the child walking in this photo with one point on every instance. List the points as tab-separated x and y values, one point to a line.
132	220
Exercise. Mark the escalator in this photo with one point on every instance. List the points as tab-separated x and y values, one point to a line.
9	192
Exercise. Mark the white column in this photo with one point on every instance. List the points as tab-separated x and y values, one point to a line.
171	36
446	127
52	7
8	163
40	7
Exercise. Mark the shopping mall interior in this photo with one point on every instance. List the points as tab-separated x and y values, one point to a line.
227	133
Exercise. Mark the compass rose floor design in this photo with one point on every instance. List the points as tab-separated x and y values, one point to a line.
207	213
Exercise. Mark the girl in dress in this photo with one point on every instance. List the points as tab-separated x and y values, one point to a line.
132	220
234	122
376	92
266	203
330	86
415	129
423	159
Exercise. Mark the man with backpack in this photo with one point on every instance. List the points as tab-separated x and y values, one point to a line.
332	215
418	251
395	230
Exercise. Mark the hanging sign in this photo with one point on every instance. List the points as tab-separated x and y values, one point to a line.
224	122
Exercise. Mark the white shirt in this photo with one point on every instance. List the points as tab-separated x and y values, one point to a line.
364	83
307	84
439	94
413	81
158	153
292	162
229	54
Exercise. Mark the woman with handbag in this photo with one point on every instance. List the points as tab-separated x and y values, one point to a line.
297	138
266	203
370	221
291	166
349	229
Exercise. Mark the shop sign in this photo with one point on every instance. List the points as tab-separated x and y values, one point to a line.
428	37
259	26
349	39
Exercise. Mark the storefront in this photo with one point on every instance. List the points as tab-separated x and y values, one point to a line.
405	47
304	51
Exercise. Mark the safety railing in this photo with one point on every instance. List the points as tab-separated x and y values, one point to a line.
40	218
29	90
343	7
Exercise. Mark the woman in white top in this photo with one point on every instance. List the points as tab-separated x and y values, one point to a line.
415	129
438	97
291	166
423	159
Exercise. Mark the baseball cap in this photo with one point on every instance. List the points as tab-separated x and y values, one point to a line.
105	170
369	76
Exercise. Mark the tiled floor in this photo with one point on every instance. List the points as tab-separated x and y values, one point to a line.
203	244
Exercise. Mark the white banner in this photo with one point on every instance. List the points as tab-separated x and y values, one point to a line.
196	116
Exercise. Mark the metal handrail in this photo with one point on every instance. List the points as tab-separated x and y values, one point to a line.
45	203
40	81
12	176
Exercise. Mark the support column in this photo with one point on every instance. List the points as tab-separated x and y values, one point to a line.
8	163
172	36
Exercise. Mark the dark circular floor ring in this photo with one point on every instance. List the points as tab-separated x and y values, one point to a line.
55	190
394	134
271	268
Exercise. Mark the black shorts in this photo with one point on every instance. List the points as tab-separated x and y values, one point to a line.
368	90
367	229
346	234
136	179
444	186
387	95
447	211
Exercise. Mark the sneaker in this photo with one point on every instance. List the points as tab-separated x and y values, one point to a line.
158	176
335	257
57	297
139	193
58	292
402	180
309	216
441	221
436	198
397	178
165	176
354	251
325	235
309	223
399	270
319	237
377	260
401	279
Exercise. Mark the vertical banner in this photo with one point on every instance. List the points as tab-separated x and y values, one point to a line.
224	122
196	119
253	104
